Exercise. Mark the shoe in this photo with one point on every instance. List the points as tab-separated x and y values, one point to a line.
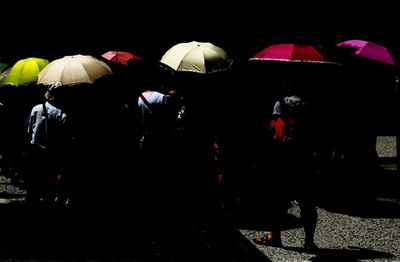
310	247
268	240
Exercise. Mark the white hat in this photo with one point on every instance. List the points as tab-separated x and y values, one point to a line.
49	95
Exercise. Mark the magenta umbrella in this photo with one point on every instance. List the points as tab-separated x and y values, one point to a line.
367	49
291	52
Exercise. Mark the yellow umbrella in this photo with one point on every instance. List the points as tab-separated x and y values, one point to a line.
25	71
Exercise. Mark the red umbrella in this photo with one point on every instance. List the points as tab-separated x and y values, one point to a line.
293	52
369	50
120	56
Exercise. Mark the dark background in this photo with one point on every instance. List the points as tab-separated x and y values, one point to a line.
149	28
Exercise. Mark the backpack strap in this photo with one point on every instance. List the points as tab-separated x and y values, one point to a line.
283	104
46	116
45	111
145	101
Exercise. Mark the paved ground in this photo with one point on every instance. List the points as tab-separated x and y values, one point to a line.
351	227
105	235
386	146
116	234
341	237
11	192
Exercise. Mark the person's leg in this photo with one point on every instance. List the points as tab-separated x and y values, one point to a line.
309	218
35	177
277	211
279	193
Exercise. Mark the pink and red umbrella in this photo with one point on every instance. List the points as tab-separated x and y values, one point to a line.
120	56
368	50
293	52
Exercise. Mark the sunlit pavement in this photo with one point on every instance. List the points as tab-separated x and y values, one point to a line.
351	226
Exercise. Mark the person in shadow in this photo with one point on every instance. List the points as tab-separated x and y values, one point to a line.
50	139
292	172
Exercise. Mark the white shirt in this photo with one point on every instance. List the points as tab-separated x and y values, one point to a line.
155	99
37	116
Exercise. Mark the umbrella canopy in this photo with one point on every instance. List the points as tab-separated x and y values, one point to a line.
197	57
293	52
25	71
76	69
368	50
120	57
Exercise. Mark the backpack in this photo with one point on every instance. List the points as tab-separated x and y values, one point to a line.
166	122
288	127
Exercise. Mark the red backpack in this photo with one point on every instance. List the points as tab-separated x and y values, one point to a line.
285	127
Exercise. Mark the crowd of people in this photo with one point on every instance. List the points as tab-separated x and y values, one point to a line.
161	140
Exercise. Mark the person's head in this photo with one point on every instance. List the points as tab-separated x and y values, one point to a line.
55	92
295	87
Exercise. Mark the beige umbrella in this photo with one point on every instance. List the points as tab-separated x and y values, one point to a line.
76	69
197	57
